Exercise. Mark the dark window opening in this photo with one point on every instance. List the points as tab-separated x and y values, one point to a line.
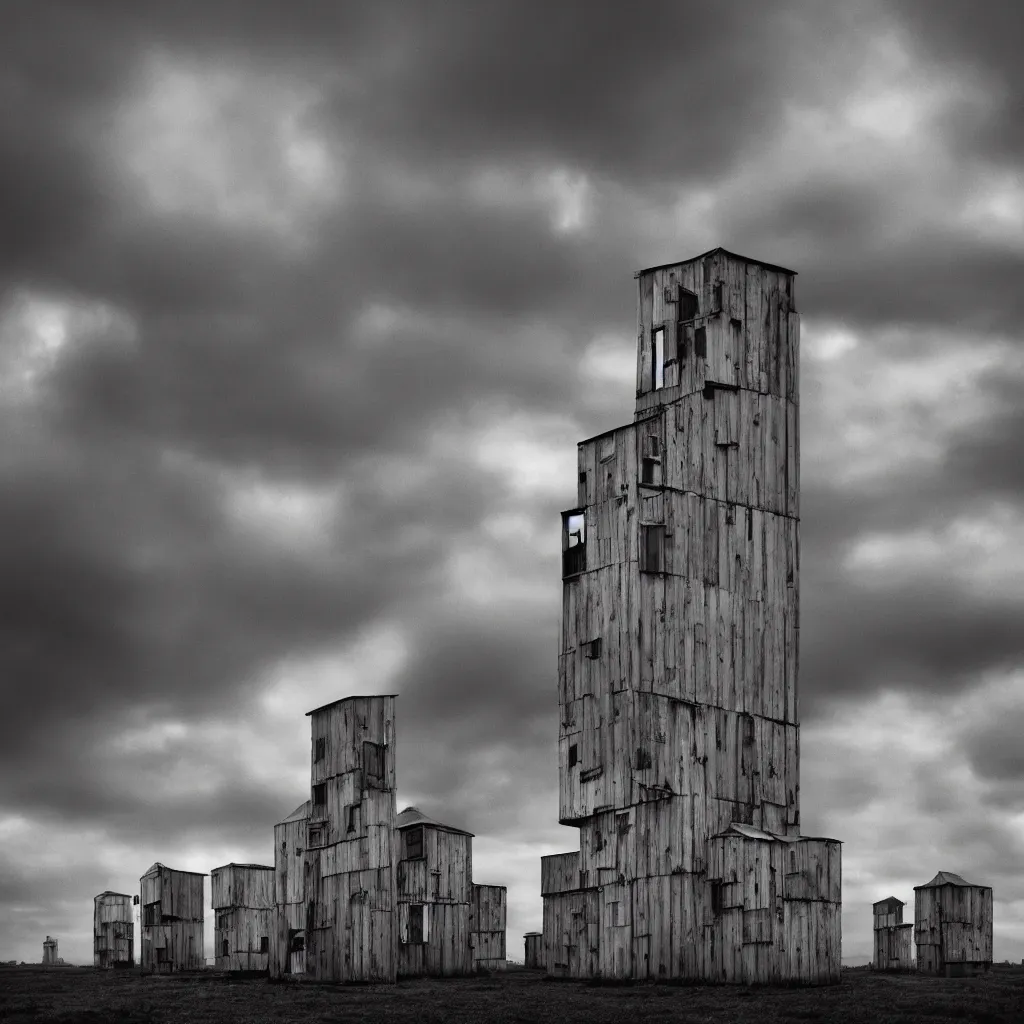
583	478
574	755
413	843
736	324
296	940
315	836
750	524
435	884
717	292
716	898
622	823
748	729
574	543
650	471
151	914
373	763
652	548
321	749
593	649
353	808
224	948
657	358
319	797
687	304
700	343
643	759
417	913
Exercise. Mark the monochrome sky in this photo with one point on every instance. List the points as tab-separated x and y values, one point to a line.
303	309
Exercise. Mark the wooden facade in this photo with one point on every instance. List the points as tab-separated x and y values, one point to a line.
487	920
49	950
435	894
952	926
172	920
242	896
113	930
679	726
288	941
349	850
534	949
892	937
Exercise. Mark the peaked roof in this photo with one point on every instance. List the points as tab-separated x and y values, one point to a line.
158	867
889	901
414	816
110	892
948	878
712	252
302	811
342	700
234	864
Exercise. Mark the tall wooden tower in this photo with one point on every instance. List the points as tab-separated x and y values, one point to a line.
679	736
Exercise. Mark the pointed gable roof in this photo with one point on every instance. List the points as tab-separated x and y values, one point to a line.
945	878
414	816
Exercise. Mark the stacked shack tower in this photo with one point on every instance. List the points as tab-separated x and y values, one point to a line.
172	920
242	896
953	926
892	936
679	735
113	930
288	942
49	950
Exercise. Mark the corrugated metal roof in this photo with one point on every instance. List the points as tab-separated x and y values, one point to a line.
948	878
341	700
711	252
414	816
300	812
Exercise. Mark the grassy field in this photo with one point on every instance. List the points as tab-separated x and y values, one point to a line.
32	995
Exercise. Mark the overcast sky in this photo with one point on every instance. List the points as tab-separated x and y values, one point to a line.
303	309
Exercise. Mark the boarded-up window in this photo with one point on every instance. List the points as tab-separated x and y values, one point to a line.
574	755
658	358
593	649
652	548
321	749
413	843
574	546
413	923
151	914
642	759
320	798
373	764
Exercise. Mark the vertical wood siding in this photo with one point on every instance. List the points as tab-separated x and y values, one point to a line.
487	922
678	656
174	941
113	930
244	905
953	928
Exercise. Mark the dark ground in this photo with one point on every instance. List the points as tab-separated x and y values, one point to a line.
33	995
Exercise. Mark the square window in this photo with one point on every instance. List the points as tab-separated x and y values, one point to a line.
687	304
593	649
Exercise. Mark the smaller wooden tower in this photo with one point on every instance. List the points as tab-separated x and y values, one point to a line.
113	930
49	950
288	941
242	896
953	926
892	936
172	920
487	916
534	949
435	883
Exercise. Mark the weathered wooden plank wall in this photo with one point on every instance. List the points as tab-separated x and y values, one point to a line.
113	930
172	920
287	944
487	926
349	855
952	927
533	943
244	904
678	658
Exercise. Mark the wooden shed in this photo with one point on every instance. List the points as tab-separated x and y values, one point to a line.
435	894
892	936
49	950
113	930
349	857
677	667
487	925
288	941
172	920
242	896
534	949
953	926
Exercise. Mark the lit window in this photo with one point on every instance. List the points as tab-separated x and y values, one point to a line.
658	358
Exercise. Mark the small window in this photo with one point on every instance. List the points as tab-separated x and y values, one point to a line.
650	471
352	818
652	548
687	304
413	843
658	358
373	763
574	546
574	756
315	836
224	948
622	823
151	914
417	923
717	296
700	343
642	760
321	749
296	940
583	478
716	898
593	649
319	797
